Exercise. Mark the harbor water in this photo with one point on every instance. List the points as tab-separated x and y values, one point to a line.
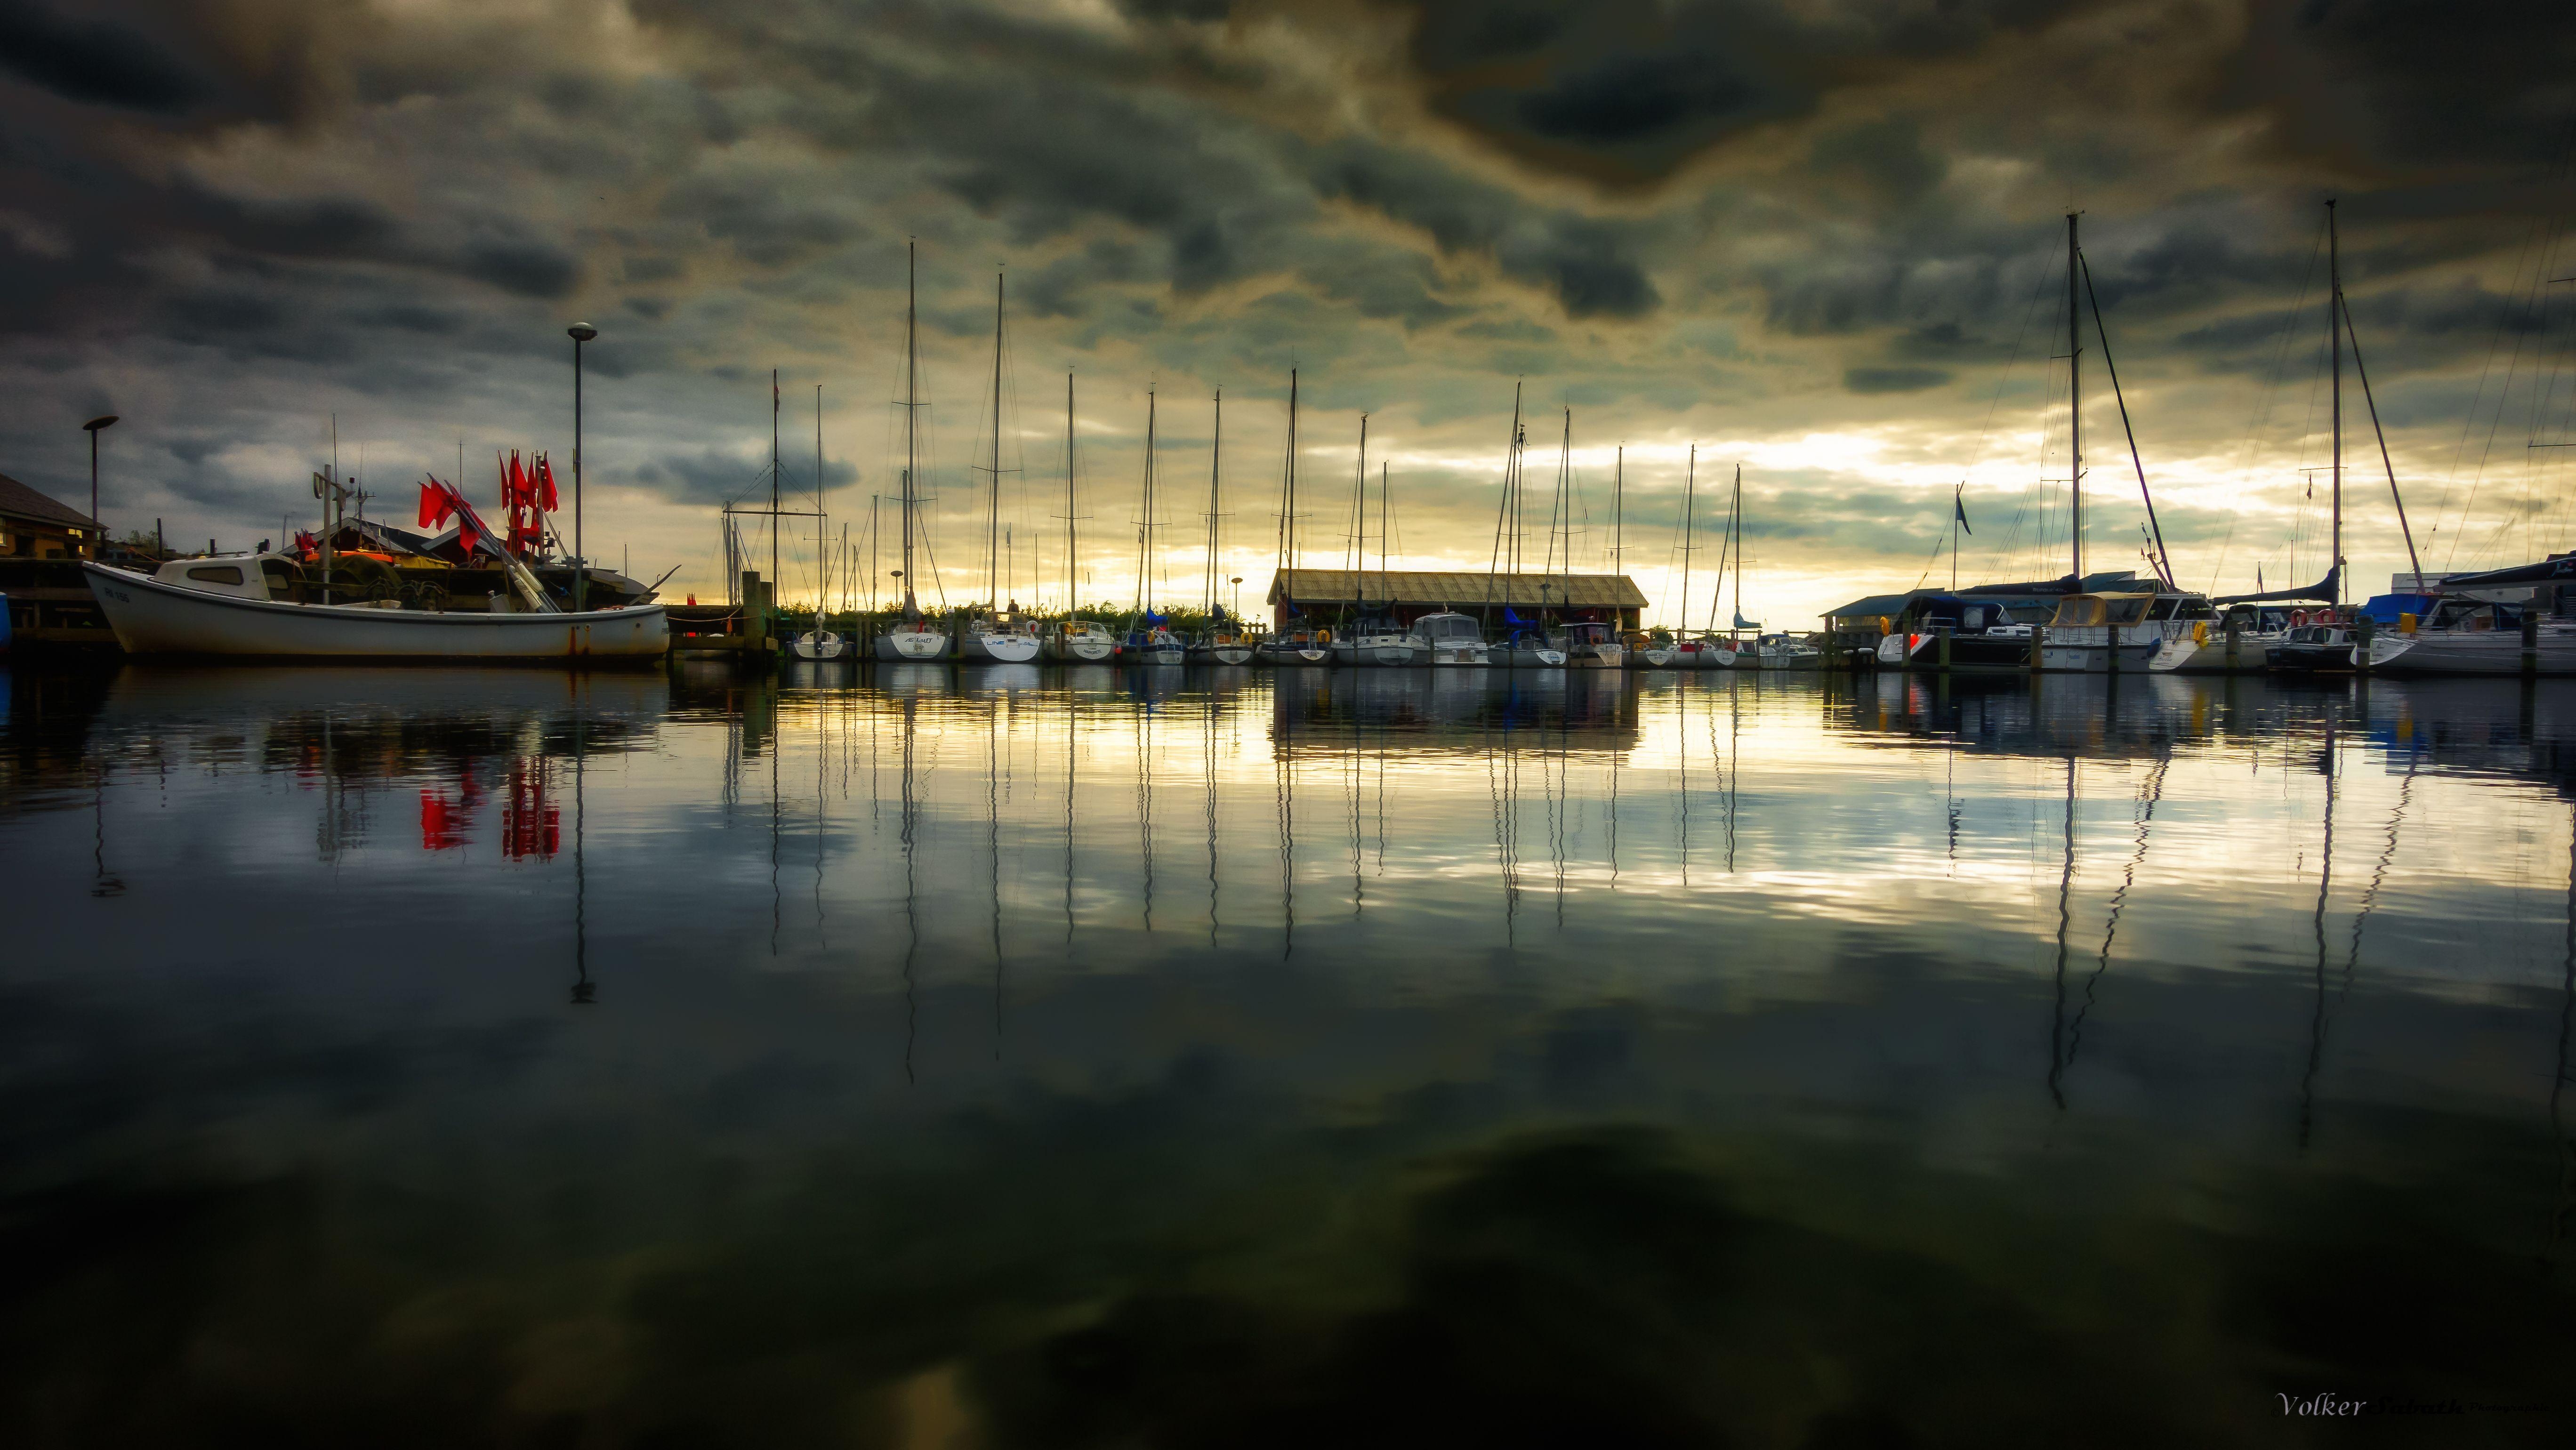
910	1056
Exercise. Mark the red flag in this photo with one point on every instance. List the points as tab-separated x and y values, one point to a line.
545	484
433	504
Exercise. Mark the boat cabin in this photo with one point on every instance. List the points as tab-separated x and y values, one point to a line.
240	576
2077	611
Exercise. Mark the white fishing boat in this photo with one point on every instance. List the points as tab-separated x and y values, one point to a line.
911	639
224	606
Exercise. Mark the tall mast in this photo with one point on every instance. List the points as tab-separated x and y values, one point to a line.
773	484
1618	506
911	408
1512	488
2334	334
1385	534
1288	514
1145	529
1068	496
1690	475
820	522
2074	406
1739	551
1216	465
1359	518
993	508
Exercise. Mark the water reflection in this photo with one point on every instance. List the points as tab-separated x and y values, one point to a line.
1177	1056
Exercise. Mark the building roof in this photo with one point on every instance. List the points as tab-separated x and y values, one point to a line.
1464	589
1871	606
19	501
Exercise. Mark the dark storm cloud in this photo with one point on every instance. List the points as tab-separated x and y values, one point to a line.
730	475
1634	88
97	61
1893	379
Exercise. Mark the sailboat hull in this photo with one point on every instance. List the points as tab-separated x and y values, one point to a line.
997	649
151	617
821	647
912	647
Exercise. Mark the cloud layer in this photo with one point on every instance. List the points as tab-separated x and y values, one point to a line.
1826	242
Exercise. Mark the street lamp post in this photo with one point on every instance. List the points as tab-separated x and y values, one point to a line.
579	332
93	428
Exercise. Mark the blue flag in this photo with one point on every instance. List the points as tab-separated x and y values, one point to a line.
1959	510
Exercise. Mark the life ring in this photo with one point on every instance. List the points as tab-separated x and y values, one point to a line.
2298	617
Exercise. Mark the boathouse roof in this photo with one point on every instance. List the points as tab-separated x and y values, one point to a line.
1461	589
19	501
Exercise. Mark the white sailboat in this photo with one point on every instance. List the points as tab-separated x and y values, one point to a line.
1148	642
1224	642
1306	646
818	643
1072	639
911	639
995	635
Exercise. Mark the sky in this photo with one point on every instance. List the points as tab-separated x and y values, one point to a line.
1822	242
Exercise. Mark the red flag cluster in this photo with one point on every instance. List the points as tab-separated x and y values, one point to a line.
528	492
440	502
307	545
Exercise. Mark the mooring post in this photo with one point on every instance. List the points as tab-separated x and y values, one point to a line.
1942	633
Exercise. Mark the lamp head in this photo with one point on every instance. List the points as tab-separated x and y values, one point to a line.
581	332
94	424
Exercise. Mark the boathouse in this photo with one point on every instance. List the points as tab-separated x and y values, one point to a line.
1308	597
33	526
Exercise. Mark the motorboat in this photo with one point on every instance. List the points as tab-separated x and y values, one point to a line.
2318	645
2118	632
244	606
1786	652
1379	642
2465	635
1588	645
1454	640
2249	629
1983	636
1080	642
912	640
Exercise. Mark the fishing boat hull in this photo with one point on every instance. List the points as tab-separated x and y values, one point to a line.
150	617
2471	652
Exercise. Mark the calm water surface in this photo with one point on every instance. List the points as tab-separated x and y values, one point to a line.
1229	1058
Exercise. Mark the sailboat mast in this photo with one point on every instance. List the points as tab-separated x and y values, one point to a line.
1731	625
911	412
1690	475
1145	528
993	505
821	523
1359	518
2334	335
1069	509
1618	508
773	484
1385	512
1216	463
1288	503
2074	406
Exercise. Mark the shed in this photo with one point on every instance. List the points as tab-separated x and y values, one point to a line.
1307	596
33	526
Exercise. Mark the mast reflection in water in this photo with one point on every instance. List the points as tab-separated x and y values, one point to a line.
1162	1057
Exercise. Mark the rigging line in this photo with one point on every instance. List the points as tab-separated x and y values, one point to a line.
2398	498
2004	380
2264	401
2165	560
2542	240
